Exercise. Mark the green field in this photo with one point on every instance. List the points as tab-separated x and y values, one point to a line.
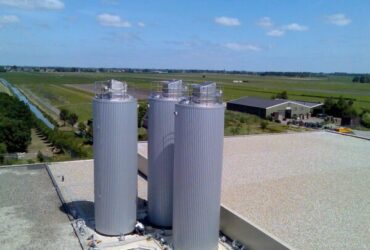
4	89
49	87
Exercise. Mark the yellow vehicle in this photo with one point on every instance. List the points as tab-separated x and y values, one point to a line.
343	130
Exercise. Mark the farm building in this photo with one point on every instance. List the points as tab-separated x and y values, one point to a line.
276	108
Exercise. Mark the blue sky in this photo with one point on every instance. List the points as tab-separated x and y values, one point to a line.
263	35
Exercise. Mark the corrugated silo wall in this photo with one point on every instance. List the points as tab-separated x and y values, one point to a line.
160	156
197	176
115	165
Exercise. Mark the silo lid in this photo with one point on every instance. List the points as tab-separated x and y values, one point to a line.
115	85
205	92
172	88
111	89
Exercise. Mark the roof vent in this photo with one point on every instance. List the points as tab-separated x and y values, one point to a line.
173	88
111	89
170	89
206	93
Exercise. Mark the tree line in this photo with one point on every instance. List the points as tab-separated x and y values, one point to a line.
362	79
66	116
340	107
344	108
15	125
64	141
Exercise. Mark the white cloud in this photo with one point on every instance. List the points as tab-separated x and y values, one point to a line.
242	47
295	27
112	21
279	30
8	19
34	4
339	19
265	22
227	21
275	32
141	24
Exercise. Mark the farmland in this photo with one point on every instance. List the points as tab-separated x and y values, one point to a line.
4	89
54	91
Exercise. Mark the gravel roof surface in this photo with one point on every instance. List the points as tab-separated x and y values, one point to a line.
76	183
309	189
77	187
30	215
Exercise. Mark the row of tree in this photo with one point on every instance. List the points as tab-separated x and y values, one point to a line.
66	116
15	124
85	130
281	95
64	141
340	107
362	79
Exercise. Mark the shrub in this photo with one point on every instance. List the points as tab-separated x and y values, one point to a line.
2	152
63	115
40	156
72	119
365	120
264	124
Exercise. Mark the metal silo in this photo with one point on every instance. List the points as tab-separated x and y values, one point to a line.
115	158
199	134
161	125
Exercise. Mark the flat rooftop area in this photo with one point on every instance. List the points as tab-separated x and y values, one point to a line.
30	211
75	180
308	190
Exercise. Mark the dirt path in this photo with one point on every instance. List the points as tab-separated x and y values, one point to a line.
37	144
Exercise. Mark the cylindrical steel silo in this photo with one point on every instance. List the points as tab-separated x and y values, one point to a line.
161	128
115	158
199	134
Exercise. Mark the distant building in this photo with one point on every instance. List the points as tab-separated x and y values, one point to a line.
237	81
275	108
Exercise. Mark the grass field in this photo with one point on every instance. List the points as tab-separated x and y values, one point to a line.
52	91
237	123
4	89
53	97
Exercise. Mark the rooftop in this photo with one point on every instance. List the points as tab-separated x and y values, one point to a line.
267	103
257	102
309	190
305	190
31	214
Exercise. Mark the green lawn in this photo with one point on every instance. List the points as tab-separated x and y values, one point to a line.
237	123
60	97
4	89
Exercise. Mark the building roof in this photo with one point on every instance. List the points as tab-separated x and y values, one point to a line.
308	190
268	103
308	104
31	214
257	102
